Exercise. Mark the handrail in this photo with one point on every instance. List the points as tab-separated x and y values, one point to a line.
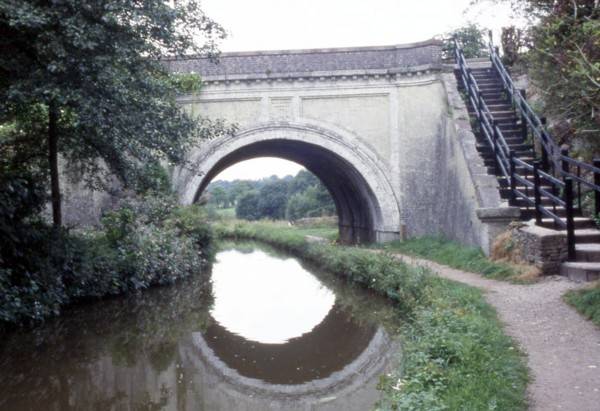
562	163
536	124
508	163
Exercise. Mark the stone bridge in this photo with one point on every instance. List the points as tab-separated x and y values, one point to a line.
383	128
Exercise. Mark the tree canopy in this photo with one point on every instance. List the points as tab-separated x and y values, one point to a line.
85	80
274	198
560	51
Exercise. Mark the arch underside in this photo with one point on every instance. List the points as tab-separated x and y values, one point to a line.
366	206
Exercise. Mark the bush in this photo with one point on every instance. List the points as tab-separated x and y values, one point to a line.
146	242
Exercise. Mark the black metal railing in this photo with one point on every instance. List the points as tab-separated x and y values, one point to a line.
552	185
554	160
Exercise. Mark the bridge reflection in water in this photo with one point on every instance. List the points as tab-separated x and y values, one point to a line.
164	350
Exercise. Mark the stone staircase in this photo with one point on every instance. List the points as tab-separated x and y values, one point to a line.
586	266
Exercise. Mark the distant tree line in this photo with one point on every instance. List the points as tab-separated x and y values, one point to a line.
273	198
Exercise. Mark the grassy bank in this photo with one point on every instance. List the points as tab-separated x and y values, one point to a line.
587	302
455	255
455	355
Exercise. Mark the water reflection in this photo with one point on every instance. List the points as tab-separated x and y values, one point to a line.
162	350
265	299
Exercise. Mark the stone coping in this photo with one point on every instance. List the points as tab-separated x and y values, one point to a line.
379	60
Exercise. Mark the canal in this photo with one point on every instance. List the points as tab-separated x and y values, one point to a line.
260	331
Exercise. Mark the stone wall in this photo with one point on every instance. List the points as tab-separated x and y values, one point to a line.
448	189
544	248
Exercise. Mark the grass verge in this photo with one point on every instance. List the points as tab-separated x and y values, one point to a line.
455	255
455	355
587	302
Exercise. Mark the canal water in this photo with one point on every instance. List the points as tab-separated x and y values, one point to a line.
262	331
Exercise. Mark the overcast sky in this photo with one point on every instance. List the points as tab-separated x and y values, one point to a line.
299	24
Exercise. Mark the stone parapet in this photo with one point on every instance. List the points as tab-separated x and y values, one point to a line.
337	62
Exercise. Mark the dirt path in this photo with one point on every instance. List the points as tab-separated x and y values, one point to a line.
563	348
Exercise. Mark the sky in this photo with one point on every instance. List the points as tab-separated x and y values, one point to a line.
300	24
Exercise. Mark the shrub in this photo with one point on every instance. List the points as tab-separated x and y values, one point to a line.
146	242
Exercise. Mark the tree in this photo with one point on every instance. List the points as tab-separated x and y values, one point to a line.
247	206
471	38
273	199
563	65
93	72
315	201
219	197
302	181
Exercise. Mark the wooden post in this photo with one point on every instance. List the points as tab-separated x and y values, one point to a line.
569	215
597	183
536	191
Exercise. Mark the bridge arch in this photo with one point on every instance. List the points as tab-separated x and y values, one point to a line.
354	175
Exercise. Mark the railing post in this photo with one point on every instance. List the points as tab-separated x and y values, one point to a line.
536	191
564	163
480	105
545	164
491	46
597	183
513	182
455	42
524	129
569	217
495	145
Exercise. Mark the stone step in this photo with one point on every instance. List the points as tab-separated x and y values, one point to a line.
483	71
581	271
588	252
529	213
517	147
490	87
512	132
587	235
487	82
493	95
505	192
516	140
489	160
579	222
498	114
508	123
504	114
500	102
545	201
